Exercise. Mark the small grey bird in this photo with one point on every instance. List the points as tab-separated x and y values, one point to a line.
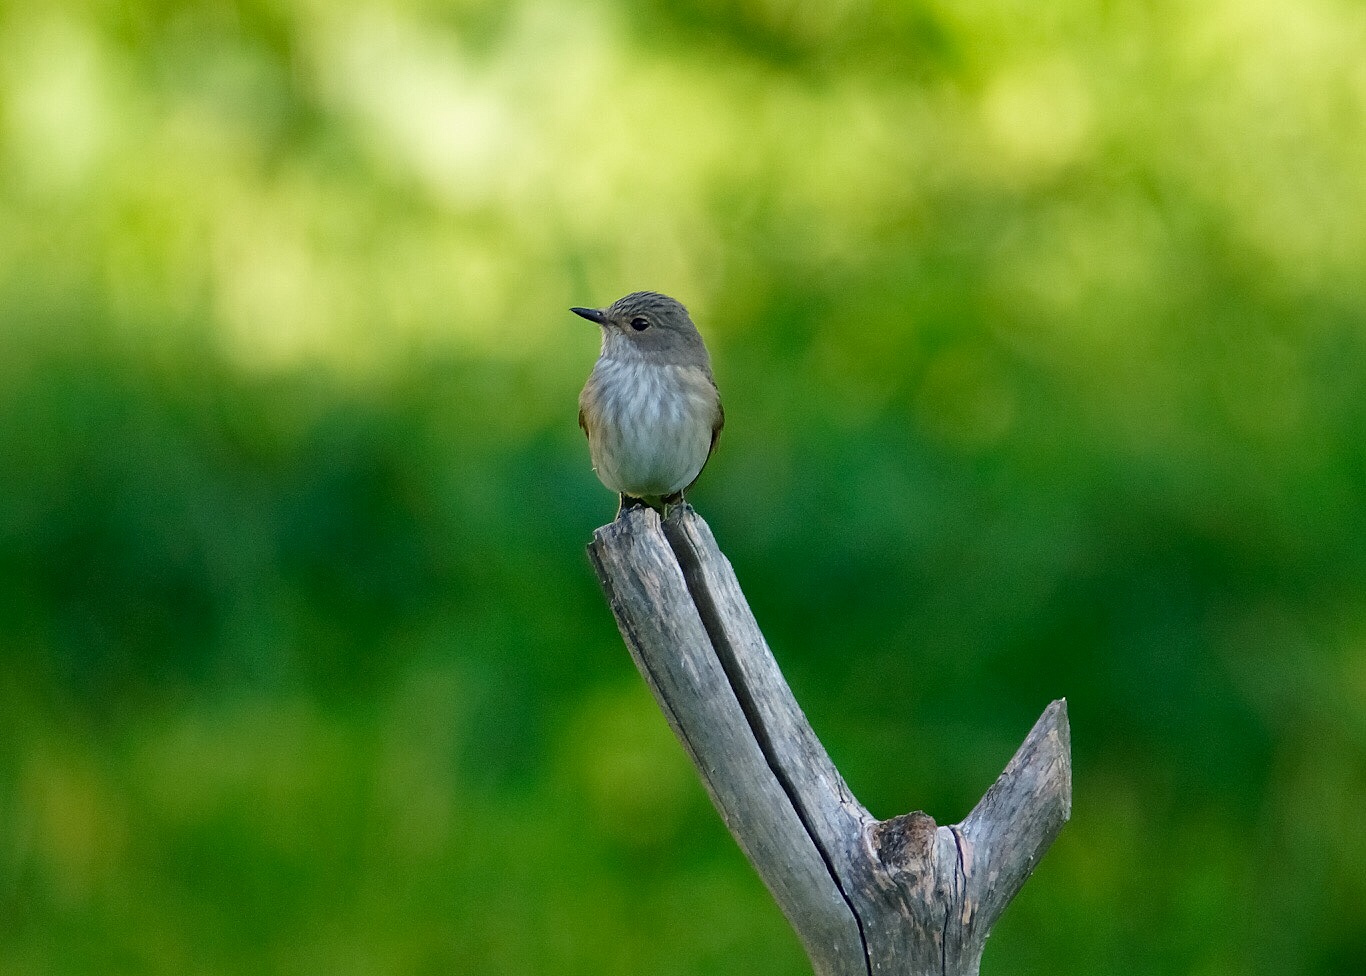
650	407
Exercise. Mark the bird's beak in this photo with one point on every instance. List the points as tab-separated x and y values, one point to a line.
592	314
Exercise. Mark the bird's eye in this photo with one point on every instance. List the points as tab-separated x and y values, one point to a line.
640	324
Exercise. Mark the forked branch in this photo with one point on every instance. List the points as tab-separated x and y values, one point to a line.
902	896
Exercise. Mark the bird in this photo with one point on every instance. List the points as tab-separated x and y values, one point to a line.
650	409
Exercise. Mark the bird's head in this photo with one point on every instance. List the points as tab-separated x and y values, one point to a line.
648	326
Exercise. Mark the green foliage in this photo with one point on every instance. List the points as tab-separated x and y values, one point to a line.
1042	335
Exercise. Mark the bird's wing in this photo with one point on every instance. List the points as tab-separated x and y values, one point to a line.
716	425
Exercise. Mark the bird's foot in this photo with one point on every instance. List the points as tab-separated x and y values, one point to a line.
674	504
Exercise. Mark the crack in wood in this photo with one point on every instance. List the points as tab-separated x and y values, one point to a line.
695	578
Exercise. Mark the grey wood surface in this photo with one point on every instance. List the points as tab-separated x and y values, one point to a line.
903	896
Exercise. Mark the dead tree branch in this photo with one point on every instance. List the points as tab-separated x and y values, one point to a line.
866	897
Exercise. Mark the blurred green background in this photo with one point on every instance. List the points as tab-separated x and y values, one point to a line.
1042	335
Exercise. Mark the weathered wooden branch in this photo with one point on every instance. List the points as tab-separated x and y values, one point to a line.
901	896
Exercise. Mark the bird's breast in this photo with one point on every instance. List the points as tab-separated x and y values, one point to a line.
649	427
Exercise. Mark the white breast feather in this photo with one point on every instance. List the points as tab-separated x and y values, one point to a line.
652	438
